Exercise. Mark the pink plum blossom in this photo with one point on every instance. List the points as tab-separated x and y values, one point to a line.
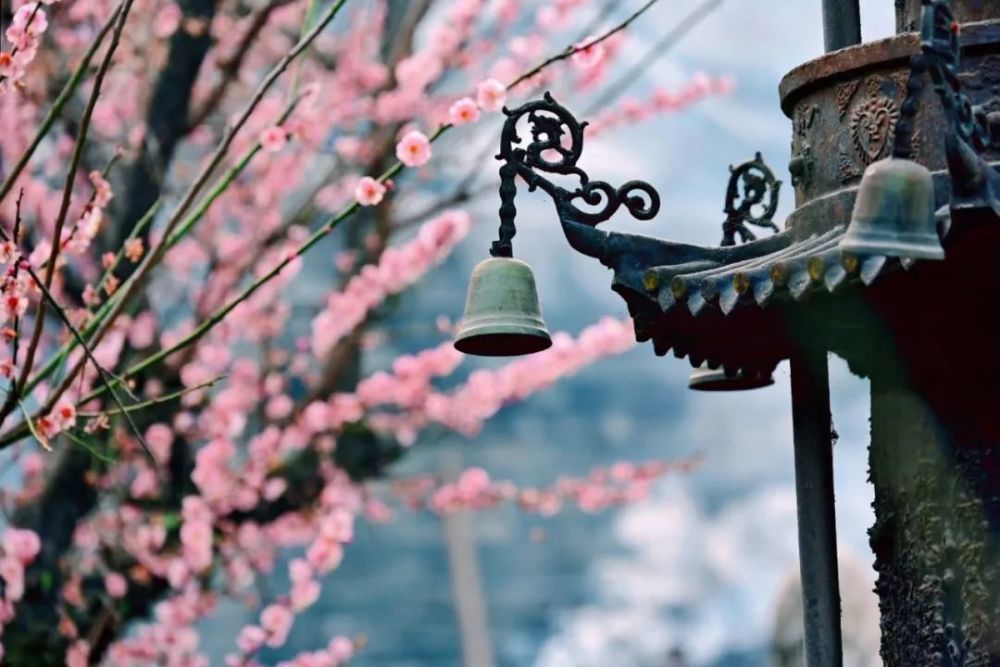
491	95
276	620
414	149
273	139
368	191
115	585
21	543
463	111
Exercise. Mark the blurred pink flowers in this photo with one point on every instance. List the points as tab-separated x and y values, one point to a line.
491	95
463	111
273	139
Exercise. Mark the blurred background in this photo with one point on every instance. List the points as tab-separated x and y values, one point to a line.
703	572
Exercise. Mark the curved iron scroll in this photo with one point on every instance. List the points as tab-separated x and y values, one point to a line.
556	146
759	188
968	134
942	56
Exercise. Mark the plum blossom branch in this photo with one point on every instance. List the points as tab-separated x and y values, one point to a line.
153	258
221	185
333	222
80	143
159	400
65	94
105	375
230	66
474	489
29	38
586	46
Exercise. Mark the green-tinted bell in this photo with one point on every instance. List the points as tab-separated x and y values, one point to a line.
894	212
502	316
704	378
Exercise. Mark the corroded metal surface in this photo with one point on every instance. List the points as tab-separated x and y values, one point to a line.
966	11
847	105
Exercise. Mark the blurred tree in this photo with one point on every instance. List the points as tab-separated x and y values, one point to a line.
165	168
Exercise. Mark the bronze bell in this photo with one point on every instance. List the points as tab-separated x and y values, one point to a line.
502	315
704	378
894	212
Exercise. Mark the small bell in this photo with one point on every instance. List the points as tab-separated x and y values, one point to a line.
894	213
502	315
704	378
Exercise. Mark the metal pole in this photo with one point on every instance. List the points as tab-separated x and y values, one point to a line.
841	24
814	499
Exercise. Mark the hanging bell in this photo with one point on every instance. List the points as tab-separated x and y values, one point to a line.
502	316
704	378
894	213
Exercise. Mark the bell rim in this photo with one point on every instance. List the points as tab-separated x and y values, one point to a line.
717	381
484	344
525	328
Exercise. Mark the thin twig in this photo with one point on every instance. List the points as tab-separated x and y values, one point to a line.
81	140
15	345
571	50
166	398
31	18
152	258
667	42
347	212
461	195
329	225
106	377
64	96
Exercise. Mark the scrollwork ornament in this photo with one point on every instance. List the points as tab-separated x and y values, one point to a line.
942	56
555	147
752	185
968	133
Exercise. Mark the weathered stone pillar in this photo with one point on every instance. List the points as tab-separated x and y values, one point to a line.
935	465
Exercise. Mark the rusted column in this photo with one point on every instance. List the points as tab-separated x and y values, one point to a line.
841	24
815	503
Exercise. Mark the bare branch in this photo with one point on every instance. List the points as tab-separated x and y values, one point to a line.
78	147
230	67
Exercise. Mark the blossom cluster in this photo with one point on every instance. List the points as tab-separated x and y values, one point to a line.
485	392
18	549
25	35
397	268
662	100
180	246
474	489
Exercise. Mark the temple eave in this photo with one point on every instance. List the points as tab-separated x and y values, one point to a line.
744	307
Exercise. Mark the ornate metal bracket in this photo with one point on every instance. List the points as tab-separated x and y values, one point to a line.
759	188
969	131
556	146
